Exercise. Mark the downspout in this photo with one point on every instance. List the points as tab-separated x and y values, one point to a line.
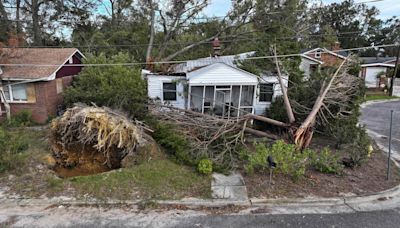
6	104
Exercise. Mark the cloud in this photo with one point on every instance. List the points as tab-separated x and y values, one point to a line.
218	7
387	8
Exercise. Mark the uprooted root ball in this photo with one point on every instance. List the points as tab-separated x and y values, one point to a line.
93	139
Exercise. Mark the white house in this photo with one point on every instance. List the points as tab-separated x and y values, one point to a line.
374	71
214	85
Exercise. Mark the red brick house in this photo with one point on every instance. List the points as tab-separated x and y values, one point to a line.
313	59
34	78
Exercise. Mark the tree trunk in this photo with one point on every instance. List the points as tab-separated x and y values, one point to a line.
112	12
151	40
35	22
187	48
288	107
3	12
303	134
17	16
4	16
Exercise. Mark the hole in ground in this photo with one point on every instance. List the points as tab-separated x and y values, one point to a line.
82	160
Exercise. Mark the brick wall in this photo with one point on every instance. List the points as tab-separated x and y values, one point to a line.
328	59
47	100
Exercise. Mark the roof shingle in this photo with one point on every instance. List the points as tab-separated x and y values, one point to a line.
33	56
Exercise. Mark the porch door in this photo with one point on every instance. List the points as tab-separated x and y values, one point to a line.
219	108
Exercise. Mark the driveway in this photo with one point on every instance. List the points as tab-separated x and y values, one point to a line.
376	118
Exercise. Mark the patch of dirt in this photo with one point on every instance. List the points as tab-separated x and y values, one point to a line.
80	160
366	179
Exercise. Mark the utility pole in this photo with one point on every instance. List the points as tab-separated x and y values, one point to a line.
396	68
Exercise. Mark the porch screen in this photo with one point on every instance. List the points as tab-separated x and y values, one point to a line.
196	98
247	96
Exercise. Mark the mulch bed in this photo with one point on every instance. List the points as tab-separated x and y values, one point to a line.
366	179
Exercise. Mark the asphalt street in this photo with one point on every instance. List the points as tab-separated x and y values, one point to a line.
374	219
78	217
376	118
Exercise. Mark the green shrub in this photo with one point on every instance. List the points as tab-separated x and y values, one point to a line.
22	119
205	166
11	150
289	161
360	148
173	142
326	162
118	87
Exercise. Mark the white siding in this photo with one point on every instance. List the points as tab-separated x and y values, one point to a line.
305	66
155	89
218	74
221	74
396	88
260	107
371	74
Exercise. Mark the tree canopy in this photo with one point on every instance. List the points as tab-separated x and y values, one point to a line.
175	30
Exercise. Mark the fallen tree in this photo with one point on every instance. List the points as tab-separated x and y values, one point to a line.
217	138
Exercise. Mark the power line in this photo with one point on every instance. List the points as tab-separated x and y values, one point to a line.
185	61
222	40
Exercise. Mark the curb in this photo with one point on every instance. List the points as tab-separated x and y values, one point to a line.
365	104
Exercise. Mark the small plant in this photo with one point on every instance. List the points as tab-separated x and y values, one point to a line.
326	162
205	167
11	150
289	161
360	149
21	119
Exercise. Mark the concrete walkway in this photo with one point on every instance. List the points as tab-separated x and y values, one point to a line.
230	187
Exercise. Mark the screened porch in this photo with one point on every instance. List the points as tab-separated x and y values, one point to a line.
222	100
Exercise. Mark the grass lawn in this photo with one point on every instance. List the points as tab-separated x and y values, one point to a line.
154	179
374	97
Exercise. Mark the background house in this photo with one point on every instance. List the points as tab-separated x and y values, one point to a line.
214	85
374	71
313	59
38	89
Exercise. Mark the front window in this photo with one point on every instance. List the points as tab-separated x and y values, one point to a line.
169	91
266	92
16	93
19	92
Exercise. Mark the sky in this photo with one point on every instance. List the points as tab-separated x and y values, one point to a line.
387	8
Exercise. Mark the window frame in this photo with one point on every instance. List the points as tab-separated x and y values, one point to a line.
259	93
11	96
171	91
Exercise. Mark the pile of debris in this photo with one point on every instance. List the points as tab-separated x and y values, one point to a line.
94	139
